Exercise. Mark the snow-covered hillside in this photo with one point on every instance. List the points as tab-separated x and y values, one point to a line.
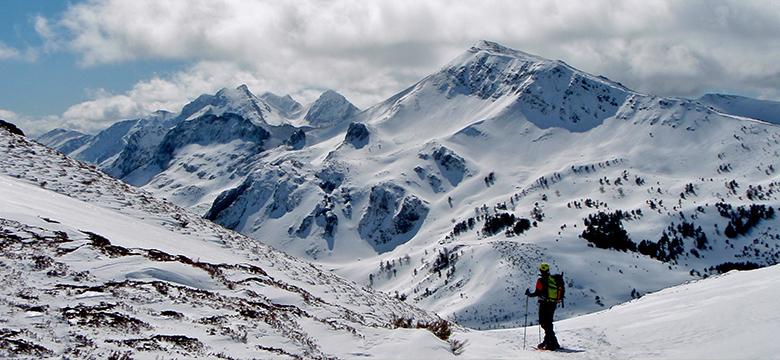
92	267
764	110
732	316
451	192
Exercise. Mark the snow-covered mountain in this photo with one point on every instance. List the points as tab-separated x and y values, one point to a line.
64	140
102	148
452	191
92	267
285	104
329	109
764	110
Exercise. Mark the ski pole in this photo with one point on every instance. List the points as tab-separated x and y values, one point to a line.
525	326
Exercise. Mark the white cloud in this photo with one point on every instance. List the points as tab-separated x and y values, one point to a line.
52	40
370	50
31	126
7	52
7	115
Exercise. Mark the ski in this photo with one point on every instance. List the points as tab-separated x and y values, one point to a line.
561	349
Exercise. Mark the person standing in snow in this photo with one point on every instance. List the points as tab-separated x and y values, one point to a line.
547	292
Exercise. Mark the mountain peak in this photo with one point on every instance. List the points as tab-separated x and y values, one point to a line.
161	115
330	108
331	94
548	93
288	107
245	90
237	100
494	48
239	92
491	46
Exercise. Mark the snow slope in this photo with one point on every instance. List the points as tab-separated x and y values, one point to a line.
732	316
397	197
764	110
94	268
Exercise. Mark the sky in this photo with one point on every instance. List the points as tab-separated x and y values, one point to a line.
84	64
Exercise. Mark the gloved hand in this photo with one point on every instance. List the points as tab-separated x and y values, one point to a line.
527	292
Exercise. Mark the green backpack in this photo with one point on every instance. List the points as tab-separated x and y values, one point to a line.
556	288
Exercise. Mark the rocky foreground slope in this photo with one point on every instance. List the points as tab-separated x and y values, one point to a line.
94	268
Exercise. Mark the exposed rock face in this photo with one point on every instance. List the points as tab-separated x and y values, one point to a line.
433	180
210	129
331	176
392	217
451	165
271	192
323	217
297	140
357	135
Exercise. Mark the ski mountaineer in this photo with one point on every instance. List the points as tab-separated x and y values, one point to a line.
548	301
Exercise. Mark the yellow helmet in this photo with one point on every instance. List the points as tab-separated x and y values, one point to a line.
545	267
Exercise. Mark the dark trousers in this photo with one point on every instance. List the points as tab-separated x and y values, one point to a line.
546	313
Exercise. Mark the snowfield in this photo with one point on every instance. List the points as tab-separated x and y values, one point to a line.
731	316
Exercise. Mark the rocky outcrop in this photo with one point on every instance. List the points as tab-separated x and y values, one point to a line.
392	217
357	135
451	165
10	128
297	140
270	193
